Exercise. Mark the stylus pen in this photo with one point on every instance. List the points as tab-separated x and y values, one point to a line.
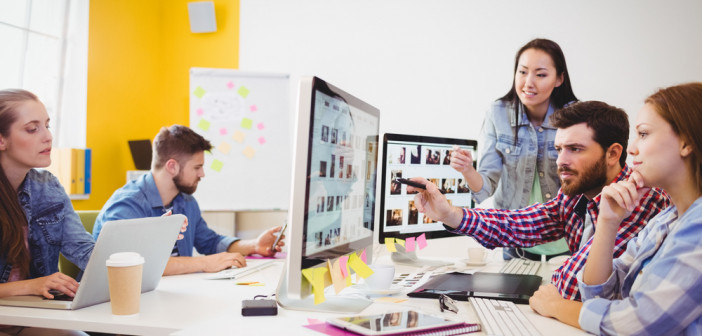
253	269
411	183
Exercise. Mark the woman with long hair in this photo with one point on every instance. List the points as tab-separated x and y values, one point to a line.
37	220
518	159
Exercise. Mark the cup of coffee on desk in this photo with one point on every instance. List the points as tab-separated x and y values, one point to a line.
381	278
124	271
477	255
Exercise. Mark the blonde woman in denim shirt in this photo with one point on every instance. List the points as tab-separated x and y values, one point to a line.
518	159
37	220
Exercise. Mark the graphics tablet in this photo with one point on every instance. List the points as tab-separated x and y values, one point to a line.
392	323
517	288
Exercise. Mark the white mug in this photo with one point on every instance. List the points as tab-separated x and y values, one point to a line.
381	278
477	254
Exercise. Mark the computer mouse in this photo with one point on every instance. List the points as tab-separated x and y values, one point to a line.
558	260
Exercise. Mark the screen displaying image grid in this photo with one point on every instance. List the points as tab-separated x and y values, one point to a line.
417	159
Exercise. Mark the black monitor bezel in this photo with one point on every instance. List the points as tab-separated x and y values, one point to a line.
382	234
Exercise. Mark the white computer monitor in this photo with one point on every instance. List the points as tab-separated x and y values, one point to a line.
332	203
407	156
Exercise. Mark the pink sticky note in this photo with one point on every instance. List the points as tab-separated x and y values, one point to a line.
409	244
223	131
200	112
342	264
253	108
313	321
363	256
260	126
230	85
262	140
422	241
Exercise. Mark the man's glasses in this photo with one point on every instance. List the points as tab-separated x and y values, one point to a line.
447	303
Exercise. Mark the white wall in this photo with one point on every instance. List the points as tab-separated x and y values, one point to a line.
433	66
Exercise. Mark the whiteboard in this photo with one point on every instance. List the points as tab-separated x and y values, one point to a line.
247	118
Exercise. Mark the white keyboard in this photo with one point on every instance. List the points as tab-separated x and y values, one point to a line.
521	266
502	318
236	273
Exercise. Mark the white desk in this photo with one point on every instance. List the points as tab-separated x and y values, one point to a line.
190	305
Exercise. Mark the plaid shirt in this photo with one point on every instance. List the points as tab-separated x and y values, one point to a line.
656	286
557	218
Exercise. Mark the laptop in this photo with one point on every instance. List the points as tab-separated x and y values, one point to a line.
152	237
517	288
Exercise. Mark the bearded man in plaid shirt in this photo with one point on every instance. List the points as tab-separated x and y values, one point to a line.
591	142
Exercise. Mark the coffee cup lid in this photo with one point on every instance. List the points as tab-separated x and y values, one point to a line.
124	259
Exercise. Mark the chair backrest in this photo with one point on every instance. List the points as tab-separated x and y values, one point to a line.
87	217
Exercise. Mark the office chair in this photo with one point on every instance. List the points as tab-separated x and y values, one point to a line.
87	217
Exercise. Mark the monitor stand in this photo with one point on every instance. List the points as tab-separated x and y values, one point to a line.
332	304
411	259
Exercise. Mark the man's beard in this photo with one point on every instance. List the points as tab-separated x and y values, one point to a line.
593	177
186	189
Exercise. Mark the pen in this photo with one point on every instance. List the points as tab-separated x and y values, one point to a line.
411	183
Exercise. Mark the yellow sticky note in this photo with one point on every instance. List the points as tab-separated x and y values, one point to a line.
246	123
224	147
309	275
203	125
336	276
217	165
238	136
400	241
199	92
390	299
318	285
390	244
249	152
359	266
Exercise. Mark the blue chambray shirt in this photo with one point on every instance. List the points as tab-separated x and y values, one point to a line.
656	286
53	226
508	169
140	198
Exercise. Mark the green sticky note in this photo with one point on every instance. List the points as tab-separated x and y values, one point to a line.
203	125
199	92
243	91
246	123
217	165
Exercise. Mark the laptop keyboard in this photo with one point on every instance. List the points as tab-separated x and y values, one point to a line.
234	273
521	266
502	318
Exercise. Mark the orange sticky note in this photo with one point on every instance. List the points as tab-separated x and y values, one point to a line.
390	244
422	241
359	266
249	152
238	136
409	244
224	147
337	278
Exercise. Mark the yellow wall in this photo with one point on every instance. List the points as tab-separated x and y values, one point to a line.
139	56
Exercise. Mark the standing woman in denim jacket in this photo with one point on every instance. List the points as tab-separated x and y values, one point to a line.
37	220
518	160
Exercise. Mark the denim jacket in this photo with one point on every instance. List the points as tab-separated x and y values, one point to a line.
140	198
53	227
508	169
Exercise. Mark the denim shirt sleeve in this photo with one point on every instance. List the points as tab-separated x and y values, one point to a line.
54	225
206	240
490	162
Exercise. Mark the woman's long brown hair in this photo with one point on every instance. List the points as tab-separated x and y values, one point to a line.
12	218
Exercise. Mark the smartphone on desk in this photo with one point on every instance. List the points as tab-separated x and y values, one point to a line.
279	236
